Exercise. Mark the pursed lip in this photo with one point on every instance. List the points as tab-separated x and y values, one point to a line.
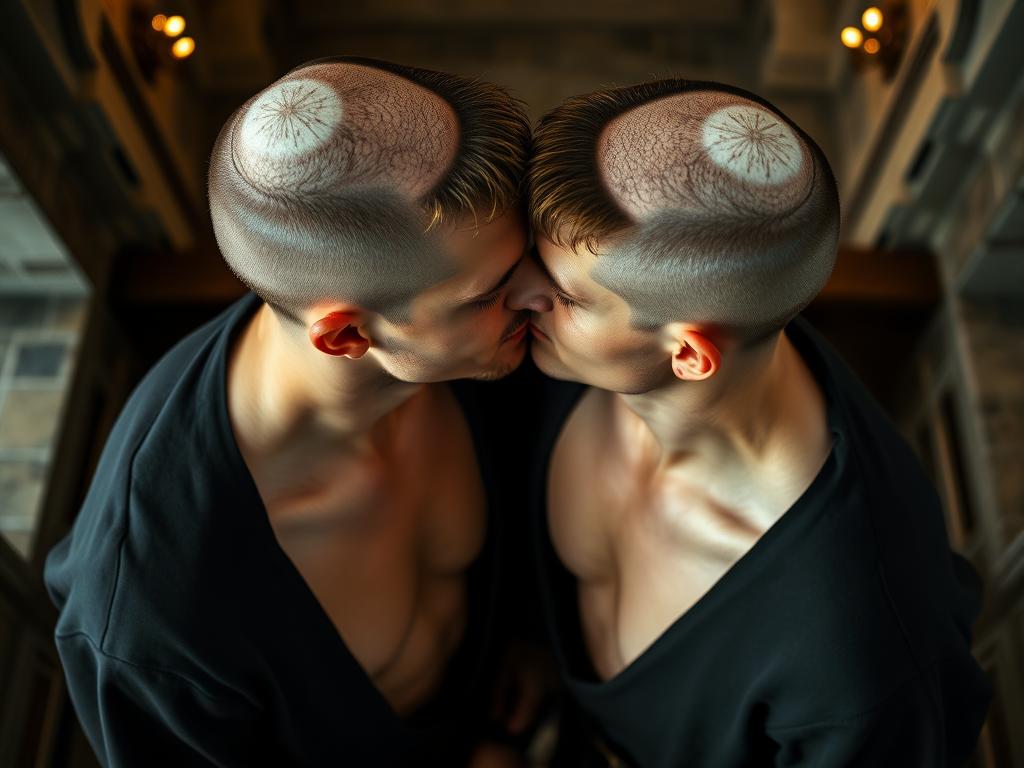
537	331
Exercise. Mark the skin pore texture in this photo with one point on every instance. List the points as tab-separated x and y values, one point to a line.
693	438
363	460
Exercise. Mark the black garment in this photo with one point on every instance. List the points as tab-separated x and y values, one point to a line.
841	638
187	635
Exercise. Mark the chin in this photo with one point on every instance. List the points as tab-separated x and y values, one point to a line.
495	373
503	363
551	366
500	370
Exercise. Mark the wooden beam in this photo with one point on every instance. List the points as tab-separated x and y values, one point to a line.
906	277
196	276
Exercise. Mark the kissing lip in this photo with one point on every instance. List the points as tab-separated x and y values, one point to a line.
516	332
537	331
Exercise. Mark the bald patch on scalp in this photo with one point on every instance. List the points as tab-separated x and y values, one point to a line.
290	120
730	220
752	144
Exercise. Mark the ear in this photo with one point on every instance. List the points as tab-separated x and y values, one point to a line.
336	334
696	357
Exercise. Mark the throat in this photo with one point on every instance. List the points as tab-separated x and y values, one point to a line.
283	392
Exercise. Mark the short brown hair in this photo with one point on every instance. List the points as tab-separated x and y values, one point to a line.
494	142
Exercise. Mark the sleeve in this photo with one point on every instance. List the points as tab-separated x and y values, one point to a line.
136	715
932	720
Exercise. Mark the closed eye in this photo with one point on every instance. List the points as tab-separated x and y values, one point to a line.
487	301
564	300
561	297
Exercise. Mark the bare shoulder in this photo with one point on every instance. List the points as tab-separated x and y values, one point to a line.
577	494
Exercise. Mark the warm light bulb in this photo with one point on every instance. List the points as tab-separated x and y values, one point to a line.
174	26
871	45
183	47
871	19
851	37
158	22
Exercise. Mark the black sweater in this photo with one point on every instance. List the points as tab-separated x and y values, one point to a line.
841	638
187	635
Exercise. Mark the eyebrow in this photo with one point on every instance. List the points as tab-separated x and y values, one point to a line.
499	285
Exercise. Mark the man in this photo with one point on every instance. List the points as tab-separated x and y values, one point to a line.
287	554
741	561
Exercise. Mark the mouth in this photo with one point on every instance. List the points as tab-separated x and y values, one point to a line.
517	334
537	331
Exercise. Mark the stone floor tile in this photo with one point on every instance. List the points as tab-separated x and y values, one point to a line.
21	488
40	359
29	418
20	540
22	311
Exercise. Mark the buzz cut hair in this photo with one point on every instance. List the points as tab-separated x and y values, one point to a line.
703	203
333	182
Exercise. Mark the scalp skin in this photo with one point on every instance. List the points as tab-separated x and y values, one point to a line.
732	223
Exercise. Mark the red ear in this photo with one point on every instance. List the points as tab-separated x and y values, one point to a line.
698	358
336	334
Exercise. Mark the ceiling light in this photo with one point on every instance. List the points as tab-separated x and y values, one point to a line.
871	19
851	37
174	26
183	47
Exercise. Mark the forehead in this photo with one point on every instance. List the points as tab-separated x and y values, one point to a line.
482	252
570	268
574	271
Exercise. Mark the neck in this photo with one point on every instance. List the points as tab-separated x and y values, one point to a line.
283	388
731	420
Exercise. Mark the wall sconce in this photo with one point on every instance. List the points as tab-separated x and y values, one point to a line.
879	38
158	39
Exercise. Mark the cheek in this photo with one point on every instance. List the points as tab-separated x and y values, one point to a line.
609	352
466	333
589	337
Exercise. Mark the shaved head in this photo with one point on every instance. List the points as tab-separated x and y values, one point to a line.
328	185
704	203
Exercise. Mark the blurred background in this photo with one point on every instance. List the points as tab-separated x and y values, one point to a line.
109	109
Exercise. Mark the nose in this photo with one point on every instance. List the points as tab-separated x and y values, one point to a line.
529	289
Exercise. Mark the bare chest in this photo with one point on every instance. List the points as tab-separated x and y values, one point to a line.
384	546
643	554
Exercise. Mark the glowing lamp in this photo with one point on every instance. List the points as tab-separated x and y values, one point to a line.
871	19
174	26
183	47
851	37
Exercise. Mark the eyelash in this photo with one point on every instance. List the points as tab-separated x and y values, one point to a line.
490	301
564	300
